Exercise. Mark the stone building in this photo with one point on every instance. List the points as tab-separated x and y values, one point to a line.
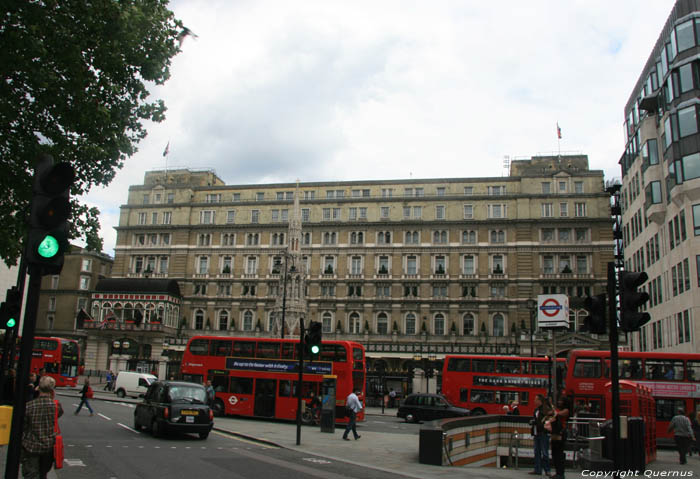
413	269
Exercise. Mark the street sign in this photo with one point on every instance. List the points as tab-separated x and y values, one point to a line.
552	311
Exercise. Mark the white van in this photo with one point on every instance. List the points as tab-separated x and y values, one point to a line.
133	384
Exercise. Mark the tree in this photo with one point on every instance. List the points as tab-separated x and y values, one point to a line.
74	85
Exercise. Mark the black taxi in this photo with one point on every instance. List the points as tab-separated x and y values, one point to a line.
174	406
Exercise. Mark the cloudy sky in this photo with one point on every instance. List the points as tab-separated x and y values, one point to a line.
334	90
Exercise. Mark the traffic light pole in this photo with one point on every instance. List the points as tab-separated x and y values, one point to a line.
614	373
300	386
25	357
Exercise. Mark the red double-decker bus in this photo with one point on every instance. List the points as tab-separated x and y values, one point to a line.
60	358
484	384
673	378
259	376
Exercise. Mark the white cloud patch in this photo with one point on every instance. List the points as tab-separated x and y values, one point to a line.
330	90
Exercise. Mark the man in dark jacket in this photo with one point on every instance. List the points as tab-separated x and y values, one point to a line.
541	436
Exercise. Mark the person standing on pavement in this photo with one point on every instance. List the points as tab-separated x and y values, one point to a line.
108	379
353	406
85	394
543	412
211	394
392	397
38	435
682	433
558	425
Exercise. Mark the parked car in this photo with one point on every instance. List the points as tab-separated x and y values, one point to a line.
427	407
130	383
175	406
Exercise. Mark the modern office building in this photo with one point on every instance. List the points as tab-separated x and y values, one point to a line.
661	184
413	269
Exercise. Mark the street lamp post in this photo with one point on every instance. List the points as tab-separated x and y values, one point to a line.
532	306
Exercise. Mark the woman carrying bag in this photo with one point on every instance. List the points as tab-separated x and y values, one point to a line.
85	394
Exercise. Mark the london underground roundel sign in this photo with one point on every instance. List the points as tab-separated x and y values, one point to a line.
552	310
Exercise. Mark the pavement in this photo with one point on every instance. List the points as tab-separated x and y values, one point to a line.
386	451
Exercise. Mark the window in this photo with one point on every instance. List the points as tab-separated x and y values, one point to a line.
54	281
252	239
498	325
440	266
213	198
412	237
468	264
440	212
563	209
498	236
142	218
468	190
357	237
251	265
352	213
581	234
497	190
52	303
546	210
363	213
356	193
564	234
439	324
382	323
231	216
163	265
255	216
384	212
248	321
546	188
562	187
496	211
354	326
85	282
330	237
411	265
86	265
468	324
684	35
497	264
206	217
383	265
167	217
654	192
581	264
356	265
146	199
468	212
439	291
548	264
410	323
327	322
469	237
170	198
687	121
154	218
580	209
328	264
691	166
223	321
383	290
547	234
440	237
578	187
203	265
384	237
440	191
305	214
309	195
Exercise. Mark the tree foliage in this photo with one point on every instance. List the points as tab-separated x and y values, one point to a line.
75	76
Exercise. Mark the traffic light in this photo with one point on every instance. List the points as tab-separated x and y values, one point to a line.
47	239
631	319
597	308
312	342
10	309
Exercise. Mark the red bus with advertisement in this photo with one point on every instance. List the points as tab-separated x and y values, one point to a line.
484	384
672	378
60	357
259	376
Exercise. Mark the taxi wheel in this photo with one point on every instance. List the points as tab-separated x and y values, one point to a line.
203	435
155	428
137	425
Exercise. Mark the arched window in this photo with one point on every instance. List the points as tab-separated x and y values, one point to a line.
199	319
223	320
248	321
499	324
355	327
439	324
410	323
468	324
327	321
382	323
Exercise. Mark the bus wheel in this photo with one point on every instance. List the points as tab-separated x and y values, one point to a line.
218	408
121	393
478	412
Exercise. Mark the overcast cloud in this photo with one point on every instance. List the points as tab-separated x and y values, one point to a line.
330	90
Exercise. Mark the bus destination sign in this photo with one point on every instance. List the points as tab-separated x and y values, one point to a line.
278	366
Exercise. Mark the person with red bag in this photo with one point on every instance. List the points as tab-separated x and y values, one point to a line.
39	432
85	394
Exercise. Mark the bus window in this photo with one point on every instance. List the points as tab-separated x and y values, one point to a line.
220	383
458	364
46	344
483	365
664	369
540	368
268	350
288	351
526	367
481	396
693	368
506	397
358	380
221	347
630	368
199	347
524	397
357	354
241	385
464	395
508	367
587	368
244	349
285	389
667	408
334	352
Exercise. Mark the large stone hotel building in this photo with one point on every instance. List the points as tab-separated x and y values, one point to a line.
661	184
413	269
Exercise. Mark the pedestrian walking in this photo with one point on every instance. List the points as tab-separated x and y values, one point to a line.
558	430
392	397
352	406
39	433
85	394
108	384
543	412
211	394
682	433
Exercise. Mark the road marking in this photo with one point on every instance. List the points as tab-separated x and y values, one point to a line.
88	445
109	445
127	427
102	415
229	436
74	462
316	460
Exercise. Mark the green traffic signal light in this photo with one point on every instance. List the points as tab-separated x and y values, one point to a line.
11	323
48	248
315	349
